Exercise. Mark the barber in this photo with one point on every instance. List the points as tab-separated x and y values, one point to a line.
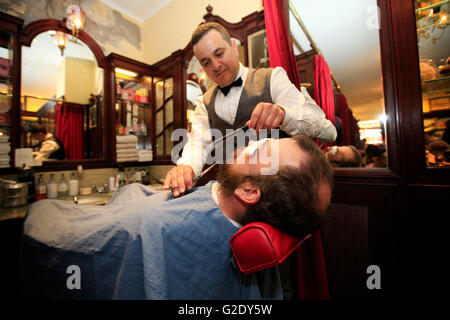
50	148
260	98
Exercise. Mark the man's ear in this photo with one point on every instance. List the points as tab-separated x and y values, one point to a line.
248	192
235	47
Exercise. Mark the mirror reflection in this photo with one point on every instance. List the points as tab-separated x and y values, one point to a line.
61	99
351	50
433	37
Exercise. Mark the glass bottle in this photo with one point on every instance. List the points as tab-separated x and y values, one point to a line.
52	188
63	188
41	189
73	185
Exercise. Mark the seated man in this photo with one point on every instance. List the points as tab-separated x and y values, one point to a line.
49	146
344	156
145	244
376	156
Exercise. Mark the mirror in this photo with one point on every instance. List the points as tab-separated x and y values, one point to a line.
62	90
351	48
433	36
347	34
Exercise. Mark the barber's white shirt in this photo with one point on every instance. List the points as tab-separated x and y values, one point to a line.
302	116
46	149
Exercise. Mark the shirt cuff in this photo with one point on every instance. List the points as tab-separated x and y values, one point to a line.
197	167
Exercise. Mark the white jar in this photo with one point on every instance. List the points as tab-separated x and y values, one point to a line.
73	187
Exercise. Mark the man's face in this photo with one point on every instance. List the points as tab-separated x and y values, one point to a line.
343	154
38	136
267	156
219	59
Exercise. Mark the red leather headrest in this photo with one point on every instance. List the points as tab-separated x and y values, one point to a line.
258	246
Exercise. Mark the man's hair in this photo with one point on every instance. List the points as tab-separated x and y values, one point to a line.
38	128
355	161
358	157
290	198
204	28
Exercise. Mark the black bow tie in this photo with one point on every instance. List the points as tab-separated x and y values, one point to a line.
236	83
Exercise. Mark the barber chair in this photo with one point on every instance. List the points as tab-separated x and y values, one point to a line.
258	246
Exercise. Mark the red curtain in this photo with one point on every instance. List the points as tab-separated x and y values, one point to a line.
69	129
312	277
350	129
345	115
281	52
323	88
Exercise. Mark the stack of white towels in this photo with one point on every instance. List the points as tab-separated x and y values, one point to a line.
5	148
145	155
126	148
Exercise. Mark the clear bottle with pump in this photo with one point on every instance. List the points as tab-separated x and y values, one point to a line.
63	187
41	189
52	188
73	185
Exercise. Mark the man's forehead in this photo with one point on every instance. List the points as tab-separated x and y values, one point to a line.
290	152
283	152
212	39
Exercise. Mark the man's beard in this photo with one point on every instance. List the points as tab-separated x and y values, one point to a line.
230	181
288	199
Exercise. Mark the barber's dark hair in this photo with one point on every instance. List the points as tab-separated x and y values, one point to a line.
38	128
290	198
204	28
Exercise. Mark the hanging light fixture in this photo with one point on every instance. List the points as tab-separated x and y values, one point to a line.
75	19
61	40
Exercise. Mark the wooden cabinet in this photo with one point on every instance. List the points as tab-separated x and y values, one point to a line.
9	88
391	217
132	105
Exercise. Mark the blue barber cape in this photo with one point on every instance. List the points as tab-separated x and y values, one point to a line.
143	244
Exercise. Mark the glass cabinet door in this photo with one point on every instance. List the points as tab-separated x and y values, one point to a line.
6	93
433	36
133	111
164	115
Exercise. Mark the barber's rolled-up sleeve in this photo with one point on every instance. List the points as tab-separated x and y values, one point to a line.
194	152
302	114
47	148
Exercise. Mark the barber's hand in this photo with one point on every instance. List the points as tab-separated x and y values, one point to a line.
266	116
180	179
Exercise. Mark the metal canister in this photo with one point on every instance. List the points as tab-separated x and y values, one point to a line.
13	194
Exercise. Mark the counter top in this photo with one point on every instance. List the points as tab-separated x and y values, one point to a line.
92	199
20	212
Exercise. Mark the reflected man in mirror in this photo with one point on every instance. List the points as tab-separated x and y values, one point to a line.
49	146
376	156
344	156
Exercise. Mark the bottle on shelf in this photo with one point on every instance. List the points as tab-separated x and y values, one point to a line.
52	188
138	176
112	185
63	187
41	189
143	128
73	185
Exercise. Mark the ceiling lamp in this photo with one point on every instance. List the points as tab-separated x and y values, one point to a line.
61	40
126	72
75	19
